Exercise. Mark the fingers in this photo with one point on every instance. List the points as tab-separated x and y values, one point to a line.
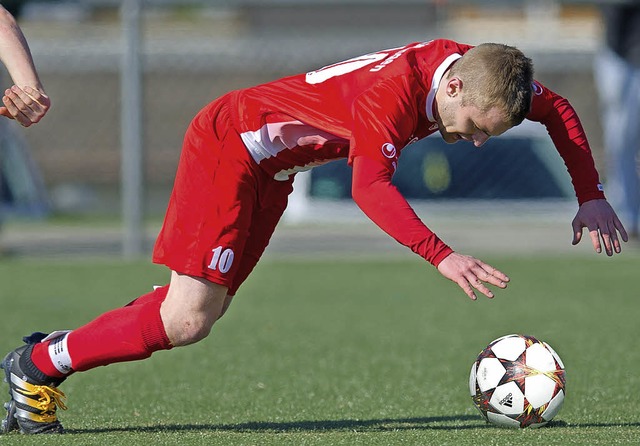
472	274
614	243
27	106
616	227
466	287
617	224
5	112
477	278
492	275
595	240
484	273
604	234
16	107
604	226
577	232
478	285
608	236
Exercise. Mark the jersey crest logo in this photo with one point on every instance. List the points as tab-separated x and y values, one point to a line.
537	88
389	150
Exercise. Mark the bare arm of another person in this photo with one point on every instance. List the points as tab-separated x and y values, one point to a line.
25	101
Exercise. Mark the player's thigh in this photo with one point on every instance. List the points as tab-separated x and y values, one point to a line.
269	209
210	210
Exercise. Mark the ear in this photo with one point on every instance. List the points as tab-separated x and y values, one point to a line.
454	87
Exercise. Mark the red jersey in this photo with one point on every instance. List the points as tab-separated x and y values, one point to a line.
373	106
358	105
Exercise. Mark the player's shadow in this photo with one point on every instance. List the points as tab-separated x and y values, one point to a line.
454	422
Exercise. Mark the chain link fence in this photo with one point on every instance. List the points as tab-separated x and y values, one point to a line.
194	52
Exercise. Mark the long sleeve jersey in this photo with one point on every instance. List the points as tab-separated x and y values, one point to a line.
369	109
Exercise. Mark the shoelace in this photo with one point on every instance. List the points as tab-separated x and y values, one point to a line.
48	399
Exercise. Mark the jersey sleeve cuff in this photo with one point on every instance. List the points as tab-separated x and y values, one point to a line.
442	254
591	195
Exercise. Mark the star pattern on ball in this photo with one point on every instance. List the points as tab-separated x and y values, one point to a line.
517	371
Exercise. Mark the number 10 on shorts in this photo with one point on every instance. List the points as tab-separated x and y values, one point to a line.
222	259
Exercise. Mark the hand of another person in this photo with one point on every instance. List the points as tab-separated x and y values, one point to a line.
26	105
603	224
469	273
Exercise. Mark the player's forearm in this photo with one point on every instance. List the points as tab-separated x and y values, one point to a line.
388	209
570	139
15	53
566	131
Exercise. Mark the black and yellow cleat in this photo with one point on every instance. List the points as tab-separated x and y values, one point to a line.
34	396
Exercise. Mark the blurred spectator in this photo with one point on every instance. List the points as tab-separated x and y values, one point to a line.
617	71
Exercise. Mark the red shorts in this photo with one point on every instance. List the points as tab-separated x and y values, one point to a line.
223	208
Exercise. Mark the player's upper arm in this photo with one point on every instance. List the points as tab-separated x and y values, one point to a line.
384	118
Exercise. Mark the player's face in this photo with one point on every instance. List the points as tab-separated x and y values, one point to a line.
468	123
458	122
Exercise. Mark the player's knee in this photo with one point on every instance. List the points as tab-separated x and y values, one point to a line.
188	326
193	328
191	308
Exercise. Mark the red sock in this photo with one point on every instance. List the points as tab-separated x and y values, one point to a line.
129	333
159	293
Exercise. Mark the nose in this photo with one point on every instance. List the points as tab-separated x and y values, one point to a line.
479	138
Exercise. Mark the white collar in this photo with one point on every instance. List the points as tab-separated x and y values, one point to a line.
437	77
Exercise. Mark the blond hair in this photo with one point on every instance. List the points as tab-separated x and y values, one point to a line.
496	75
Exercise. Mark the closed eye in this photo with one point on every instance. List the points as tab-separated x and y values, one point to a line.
482	130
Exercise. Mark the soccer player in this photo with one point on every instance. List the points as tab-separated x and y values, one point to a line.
26	100
238	161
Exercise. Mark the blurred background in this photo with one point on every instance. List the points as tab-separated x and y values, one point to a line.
126	77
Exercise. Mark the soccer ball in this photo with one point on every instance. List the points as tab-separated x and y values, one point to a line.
518	381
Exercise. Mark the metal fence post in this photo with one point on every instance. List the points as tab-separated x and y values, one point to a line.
132	157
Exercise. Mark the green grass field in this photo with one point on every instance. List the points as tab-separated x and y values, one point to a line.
341	352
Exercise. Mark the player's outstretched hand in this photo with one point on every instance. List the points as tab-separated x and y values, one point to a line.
469	273
603	224
26	105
